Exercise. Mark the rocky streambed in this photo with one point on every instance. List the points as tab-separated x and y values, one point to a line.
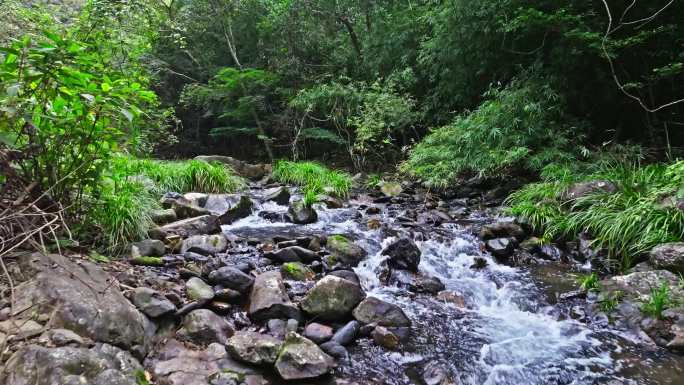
411	288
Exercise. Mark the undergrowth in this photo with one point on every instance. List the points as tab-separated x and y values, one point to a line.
627	223
313	178
130	194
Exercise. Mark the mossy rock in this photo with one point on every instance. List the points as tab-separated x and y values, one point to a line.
297	271
345	251
147	261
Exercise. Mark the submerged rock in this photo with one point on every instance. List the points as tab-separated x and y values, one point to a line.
403	254
302	359
375	311
332	298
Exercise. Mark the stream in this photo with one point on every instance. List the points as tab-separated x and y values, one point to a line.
512	330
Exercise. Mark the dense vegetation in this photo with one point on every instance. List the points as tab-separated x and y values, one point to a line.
562	90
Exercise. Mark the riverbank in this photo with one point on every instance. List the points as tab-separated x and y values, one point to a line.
404	288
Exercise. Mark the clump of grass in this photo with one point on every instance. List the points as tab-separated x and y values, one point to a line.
181	176
627	223
123	213
657	302
610	303
589	282
313	176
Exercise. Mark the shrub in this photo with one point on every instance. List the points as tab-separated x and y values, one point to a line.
520	125
627	223
313	177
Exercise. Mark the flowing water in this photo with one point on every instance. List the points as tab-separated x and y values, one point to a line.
509	333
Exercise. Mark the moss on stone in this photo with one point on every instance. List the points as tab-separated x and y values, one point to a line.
147	261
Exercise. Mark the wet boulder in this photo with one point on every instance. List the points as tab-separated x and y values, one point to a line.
205	244
347	333
148	248
301	359
332	298
502	230
206	224
501	248
345	251
102	364
254	348
376	311
203	327
301	214
269	299
80	297
231	207
403	254
292	254
188	210
583	189
232	278
668	256
279	195
151	302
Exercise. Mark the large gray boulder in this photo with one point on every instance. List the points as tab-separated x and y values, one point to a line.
102	364
332	298
375	311
229	207
403	254
151	302
502	230
176	364
345	251
668	256
301	214
637	286
205	244
254	348
206	224
501	248
246	170
203	327
301	359
279	195
583	189
269	299
232	278
82	297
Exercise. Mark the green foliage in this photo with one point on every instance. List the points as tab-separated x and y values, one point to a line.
589	282
184	176
122	214
658	301
521	125
611	302
373	181
62	104
313	177
627	223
